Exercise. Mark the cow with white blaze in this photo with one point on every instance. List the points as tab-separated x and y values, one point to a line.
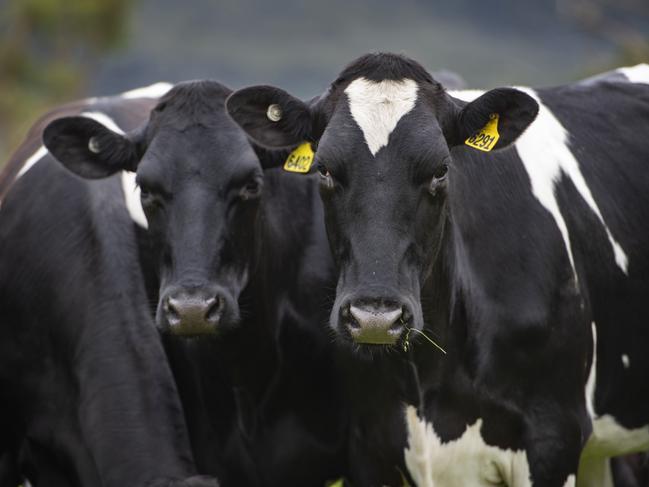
509	227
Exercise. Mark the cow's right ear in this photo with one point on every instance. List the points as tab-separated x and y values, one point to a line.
271	117
89	148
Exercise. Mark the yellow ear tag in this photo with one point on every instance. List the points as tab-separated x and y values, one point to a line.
485	138
300	159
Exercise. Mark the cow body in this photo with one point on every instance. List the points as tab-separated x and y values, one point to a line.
523	257
256	379
88	397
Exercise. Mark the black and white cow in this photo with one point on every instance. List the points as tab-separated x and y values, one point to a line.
87	395
510	226
256	379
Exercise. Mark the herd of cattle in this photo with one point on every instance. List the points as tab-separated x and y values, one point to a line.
392	284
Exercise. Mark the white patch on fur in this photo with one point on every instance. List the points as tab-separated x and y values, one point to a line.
543	147
570	481
155	90
131	190
625	361
592	377
377	107
465	461
610	439
466	95
132	199
105	120
33	159
636	74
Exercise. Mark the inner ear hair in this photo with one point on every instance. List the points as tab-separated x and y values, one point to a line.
515	110
88	148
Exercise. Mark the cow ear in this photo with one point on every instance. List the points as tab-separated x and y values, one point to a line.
495	120
270	116
89	148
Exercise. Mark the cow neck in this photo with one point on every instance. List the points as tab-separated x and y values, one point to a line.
124	389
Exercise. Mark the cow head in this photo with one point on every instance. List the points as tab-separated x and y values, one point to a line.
385	133
200	182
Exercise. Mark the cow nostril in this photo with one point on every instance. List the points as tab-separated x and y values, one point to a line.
171	312
215	308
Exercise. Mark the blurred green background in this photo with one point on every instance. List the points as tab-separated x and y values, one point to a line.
52	51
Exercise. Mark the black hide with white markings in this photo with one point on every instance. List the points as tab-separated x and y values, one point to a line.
87	395
474	258
225	258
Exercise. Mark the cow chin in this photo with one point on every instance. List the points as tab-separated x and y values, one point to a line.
194	311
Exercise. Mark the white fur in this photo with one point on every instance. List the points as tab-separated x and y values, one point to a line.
132	199
131	190
155	90
543	147
608	439
33	159
544	150
465	461
377	107
636	74
105	120
625	361
592	376
570	481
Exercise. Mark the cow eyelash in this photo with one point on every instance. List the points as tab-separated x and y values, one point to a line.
441	172
251	190
323	171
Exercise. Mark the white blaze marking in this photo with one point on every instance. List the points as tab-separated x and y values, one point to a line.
625	361
377	107
636	74
592	377
465	461
131	190
155	90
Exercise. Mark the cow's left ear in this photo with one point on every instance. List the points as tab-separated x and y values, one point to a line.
89	148
271	117
494	120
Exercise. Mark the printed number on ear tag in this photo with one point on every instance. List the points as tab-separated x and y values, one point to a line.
300	159
485	139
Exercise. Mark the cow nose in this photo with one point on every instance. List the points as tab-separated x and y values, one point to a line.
375	322
193	314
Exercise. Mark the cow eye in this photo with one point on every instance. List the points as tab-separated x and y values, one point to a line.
325	176
438	180
441	172
251	190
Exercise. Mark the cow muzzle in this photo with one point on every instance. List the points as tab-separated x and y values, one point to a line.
375	321
190	313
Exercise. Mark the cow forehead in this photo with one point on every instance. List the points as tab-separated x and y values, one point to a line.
377	107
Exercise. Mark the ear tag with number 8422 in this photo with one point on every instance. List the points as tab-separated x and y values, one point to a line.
300	159
485	139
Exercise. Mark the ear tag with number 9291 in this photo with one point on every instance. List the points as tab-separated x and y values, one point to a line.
485	139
